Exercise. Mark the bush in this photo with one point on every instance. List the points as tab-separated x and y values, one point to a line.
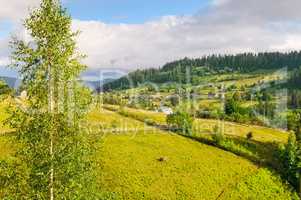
150	122
289	158
204	114
5	89
182	121
231	106
217	136
210	113
250	135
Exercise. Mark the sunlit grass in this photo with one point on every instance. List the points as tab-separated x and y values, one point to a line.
209	103
130	166
6	147
205	126
191	170
261	185
107	122
244	80
260	134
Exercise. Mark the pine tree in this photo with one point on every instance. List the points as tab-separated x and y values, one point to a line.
55	157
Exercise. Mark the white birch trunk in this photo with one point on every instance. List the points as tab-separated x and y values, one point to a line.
51	109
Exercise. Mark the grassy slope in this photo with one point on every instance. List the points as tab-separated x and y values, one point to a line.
261	134
250	79
204	126
130	169
192	171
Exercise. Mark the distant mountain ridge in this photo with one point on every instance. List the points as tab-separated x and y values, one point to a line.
11	81
92	78
93	85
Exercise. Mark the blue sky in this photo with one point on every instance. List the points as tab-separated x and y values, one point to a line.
5	28
131	11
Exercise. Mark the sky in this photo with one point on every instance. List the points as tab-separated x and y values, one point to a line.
131	11
129	34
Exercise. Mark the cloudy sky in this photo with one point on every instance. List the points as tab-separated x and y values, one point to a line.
131	34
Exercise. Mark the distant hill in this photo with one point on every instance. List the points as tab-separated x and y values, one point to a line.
95	85
208	65
11	82
92	78
96	78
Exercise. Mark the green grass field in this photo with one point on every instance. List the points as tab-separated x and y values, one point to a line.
205	126
250	79
260	149
130	166
131	170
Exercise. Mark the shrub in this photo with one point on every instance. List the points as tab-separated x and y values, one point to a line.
217	136
150	122
231	106
182	121
209	113
250	135
174	100
5	89
205	113
289	158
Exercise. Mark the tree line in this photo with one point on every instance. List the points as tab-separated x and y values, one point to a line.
176	71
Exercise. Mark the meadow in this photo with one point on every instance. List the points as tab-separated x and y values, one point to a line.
205	126
131	168
262	148
156	164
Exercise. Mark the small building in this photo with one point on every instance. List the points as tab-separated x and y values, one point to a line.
166	110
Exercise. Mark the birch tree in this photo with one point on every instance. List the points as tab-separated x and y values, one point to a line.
55	158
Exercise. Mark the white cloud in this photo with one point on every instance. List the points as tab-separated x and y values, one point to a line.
227	26
219	2
16	9
126	45
4	61
292	42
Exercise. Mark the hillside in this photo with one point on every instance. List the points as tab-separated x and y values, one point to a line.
205	126
244	112
130	165
131	169
10	81
95	85
208	65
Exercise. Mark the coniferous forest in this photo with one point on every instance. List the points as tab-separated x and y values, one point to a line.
176	71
